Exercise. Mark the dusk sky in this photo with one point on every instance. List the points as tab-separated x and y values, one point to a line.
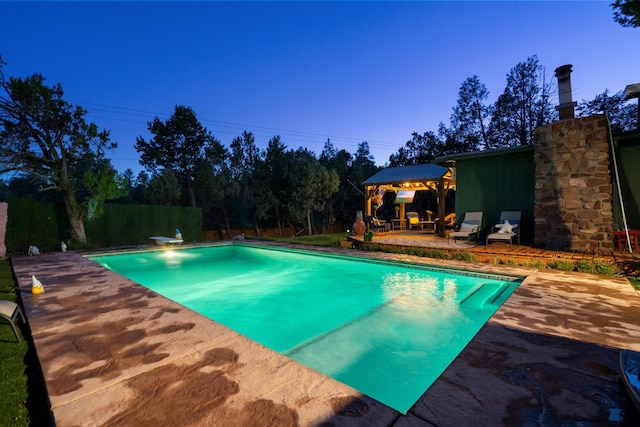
307	71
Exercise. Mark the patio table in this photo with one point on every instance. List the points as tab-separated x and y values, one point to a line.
398	224
428	226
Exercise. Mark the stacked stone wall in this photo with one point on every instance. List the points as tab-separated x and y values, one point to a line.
573	206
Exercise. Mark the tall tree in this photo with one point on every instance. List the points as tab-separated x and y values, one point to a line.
363	165
216	187
421	148
139	190
177	144
522	107
277	183
469	120
341	205
43	135
622	114
314	185
245	169
626	12
164	188
104	185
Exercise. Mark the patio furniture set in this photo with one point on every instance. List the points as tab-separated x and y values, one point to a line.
507	230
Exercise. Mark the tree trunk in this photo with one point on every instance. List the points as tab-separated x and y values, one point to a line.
75	217
225	216
256	226
309	232
279	222
192	196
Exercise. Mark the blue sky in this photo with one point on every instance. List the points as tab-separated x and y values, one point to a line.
307	71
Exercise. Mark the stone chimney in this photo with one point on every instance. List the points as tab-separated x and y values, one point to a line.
566	107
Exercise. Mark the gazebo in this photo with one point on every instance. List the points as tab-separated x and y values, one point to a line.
429	176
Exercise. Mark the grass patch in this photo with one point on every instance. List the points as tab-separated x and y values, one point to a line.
635	282
13	381
23	401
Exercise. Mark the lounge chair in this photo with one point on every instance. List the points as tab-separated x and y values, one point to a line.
10	311
413	220
471	227
507	229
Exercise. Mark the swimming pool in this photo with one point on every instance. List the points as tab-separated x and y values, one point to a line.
385	329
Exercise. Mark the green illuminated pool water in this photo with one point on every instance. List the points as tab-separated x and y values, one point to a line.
386	329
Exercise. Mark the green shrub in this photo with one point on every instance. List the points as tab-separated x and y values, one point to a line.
534	263
435	253
597	267
561	264
606	267
585	266
463	256
415	251
373	247
45	224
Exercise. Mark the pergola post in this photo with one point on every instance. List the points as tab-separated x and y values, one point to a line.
441	208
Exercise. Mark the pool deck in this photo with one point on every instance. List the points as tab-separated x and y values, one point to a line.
114	353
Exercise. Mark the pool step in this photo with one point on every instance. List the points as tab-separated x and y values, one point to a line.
485	294
324	335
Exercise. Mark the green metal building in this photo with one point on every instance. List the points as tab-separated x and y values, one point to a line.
493	181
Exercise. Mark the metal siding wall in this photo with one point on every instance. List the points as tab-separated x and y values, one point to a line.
628	157
492	184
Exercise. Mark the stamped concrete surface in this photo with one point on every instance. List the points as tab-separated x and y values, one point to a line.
114	353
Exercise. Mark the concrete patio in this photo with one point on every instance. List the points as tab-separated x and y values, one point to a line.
114	353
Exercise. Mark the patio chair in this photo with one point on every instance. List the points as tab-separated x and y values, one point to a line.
507	229
450	220
10	311
414	220
375	225
471	227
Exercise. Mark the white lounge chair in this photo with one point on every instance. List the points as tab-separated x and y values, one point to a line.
10	311
471	227
507	229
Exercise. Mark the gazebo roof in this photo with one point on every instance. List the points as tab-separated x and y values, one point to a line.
428	176
414	173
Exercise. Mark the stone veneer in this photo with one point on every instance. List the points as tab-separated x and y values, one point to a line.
573	205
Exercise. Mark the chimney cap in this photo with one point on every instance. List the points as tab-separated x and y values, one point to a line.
564	70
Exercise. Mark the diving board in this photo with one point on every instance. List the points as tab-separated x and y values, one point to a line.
161	240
